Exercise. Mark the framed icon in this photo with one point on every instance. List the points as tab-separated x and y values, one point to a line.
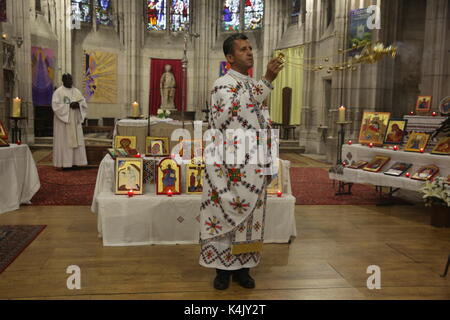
194	178
444	106
3	143
423	103
168	177
373	127
125	142
442	147
3	132
358	164
417	141
376	164
157	146
277	183
396	130
114	153
129	175
398	168
426	173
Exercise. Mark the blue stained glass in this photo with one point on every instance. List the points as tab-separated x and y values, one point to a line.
179	12
231	15
104	12
156	15
253	14
81	10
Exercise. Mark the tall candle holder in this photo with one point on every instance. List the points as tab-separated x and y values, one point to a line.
341	139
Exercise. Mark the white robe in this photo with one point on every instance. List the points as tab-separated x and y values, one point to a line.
68	140
233	207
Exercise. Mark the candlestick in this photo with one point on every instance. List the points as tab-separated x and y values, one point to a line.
17	104
135	109
342	114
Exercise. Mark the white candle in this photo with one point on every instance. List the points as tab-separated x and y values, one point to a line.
341	114
135	109
17	104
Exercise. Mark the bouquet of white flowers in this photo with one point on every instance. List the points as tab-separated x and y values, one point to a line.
436	193
162	114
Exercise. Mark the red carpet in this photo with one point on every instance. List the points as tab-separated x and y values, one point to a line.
311	186
14	240
64	188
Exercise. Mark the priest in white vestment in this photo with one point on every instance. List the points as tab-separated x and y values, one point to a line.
232	211
70	110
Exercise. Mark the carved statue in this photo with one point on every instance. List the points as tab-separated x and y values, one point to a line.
168	85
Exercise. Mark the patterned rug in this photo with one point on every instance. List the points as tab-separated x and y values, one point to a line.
64	188
312	186
14	240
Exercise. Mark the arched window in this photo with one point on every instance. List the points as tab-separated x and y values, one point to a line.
81	10
157	19
235	19
295	11
103	12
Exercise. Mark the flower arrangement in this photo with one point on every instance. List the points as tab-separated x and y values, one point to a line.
436	193
162	114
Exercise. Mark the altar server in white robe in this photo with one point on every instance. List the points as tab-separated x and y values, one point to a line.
232	211
70	110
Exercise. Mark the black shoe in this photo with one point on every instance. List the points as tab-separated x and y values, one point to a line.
242	277
222	280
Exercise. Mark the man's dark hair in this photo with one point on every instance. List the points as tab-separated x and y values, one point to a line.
228	44
66	76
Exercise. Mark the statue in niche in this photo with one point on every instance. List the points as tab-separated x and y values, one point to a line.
168	85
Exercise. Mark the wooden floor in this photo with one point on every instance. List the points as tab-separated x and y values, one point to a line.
328	259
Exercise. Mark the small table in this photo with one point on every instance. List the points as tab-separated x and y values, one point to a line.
16	131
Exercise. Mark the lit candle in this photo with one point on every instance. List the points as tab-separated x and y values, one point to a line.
342	114
17	104
407	174
344	163
411	113
135	109
138	155
395	148
169	193
422	150
371	145
19	142
279	193
434	114
350	142
130	193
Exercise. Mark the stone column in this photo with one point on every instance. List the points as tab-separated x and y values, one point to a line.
436	55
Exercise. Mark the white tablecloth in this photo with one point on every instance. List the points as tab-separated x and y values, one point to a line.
152	219
359	152
19	179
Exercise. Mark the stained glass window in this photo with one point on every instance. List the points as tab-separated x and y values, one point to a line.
103	12
81	10
253	14
156	15
231	15
179	11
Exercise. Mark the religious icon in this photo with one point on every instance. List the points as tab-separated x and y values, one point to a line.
194	178
426	173
423	103
417	141
114	153
168	177
444	106
358	164
443	146
156	146
376	163
3	143
398	168
276	184
129	175
373	127
3	132
395	131
125	142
